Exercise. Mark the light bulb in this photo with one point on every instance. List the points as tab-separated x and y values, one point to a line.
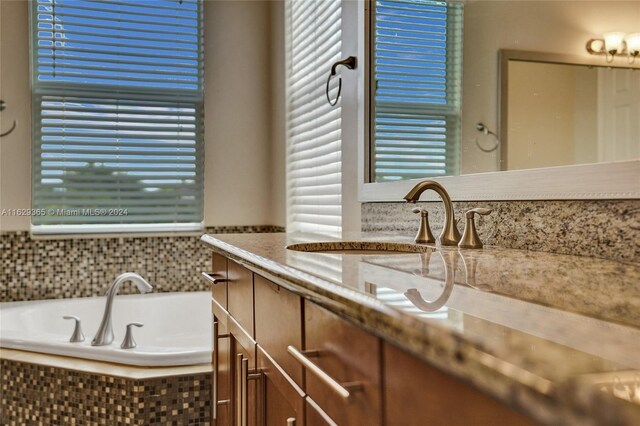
613	42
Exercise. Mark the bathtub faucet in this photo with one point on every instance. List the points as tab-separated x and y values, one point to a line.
104	336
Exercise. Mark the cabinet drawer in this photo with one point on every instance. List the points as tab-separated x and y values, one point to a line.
278	324
240	296
348	356
418	394
219	270
283	400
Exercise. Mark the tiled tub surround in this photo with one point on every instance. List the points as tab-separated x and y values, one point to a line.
553	336
607	229
35	269
48	390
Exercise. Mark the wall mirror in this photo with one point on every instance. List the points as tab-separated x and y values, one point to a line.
555	110
502	100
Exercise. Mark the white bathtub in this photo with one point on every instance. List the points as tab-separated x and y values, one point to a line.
177	328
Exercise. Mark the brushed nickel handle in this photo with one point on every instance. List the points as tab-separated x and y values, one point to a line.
344	390
470	238
129	342
211	278
77	335
291	421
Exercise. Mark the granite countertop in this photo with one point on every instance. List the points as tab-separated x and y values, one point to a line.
554	336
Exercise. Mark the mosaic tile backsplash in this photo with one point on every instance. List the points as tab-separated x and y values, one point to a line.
33	394
607	229
62	268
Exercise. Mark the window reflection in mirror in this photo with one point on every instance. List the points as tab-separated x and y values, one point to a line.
416	70
429	90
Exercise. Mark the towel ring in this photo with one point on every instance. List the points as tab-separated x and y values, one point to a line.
3	106
13	127
482	128
351	63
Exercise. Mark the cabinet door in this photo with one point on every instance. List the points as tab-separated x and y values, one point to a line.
278	324
418	394
240	296
341	357
246	385
222	375
315	416
283	400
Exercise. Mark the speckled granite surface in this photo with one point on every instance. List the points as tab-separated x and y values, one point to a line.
607	229
554	336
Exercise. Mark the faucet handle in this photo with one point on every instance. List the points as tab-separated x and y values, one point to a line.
77	335
479	210
424	234
470	237
129	342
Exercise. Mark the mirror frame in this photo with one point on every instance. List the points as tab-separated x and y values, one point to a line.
597	181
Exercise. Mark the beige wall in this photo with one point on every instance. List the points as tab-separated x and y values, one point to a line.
244	170
541	115
15	149
546	26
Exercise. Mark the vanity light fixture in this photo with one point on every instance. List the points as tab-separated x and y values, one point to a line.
633	46
615	43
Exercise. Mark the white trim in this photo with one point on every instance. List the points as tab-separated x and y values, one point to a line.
614	180
128	229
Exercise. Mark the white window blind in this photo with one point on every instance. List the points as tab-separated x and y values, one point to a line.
117	101
417	68
314	168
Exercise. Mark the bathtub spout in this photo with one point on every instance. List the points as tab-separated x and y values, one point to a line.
104	336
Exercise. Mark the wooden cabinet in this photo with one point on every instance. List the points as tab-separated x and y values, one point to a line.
245	384
351	357
281	360
221	394
283	399
279	324
240	296
315	416
418	394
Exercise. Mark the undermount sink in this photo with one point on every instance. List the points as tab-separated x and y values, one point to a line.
359	247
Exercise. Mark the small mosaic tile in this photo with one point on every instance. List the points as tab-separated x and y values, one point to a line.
33	394
608	229
80	267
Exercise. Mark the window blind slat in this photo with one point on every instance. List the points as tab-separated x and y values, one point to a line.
417	70
314	168
118	115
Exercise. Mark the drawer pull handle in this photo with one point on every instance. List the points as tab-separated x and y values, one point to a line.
291	421
242	393
210	278
344	390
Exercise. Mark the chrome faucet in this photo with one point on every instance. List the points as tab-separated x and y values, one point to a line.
450	235
104	336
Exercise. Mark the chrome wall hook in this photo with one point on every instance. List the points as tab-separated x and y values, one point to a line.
351	63
3	106
485	130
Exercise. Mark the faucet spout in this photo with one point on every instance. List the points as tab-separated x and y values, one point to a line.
104	335
450	234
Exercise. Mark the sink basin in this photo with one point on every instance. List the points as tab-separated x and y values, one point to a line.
360	247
